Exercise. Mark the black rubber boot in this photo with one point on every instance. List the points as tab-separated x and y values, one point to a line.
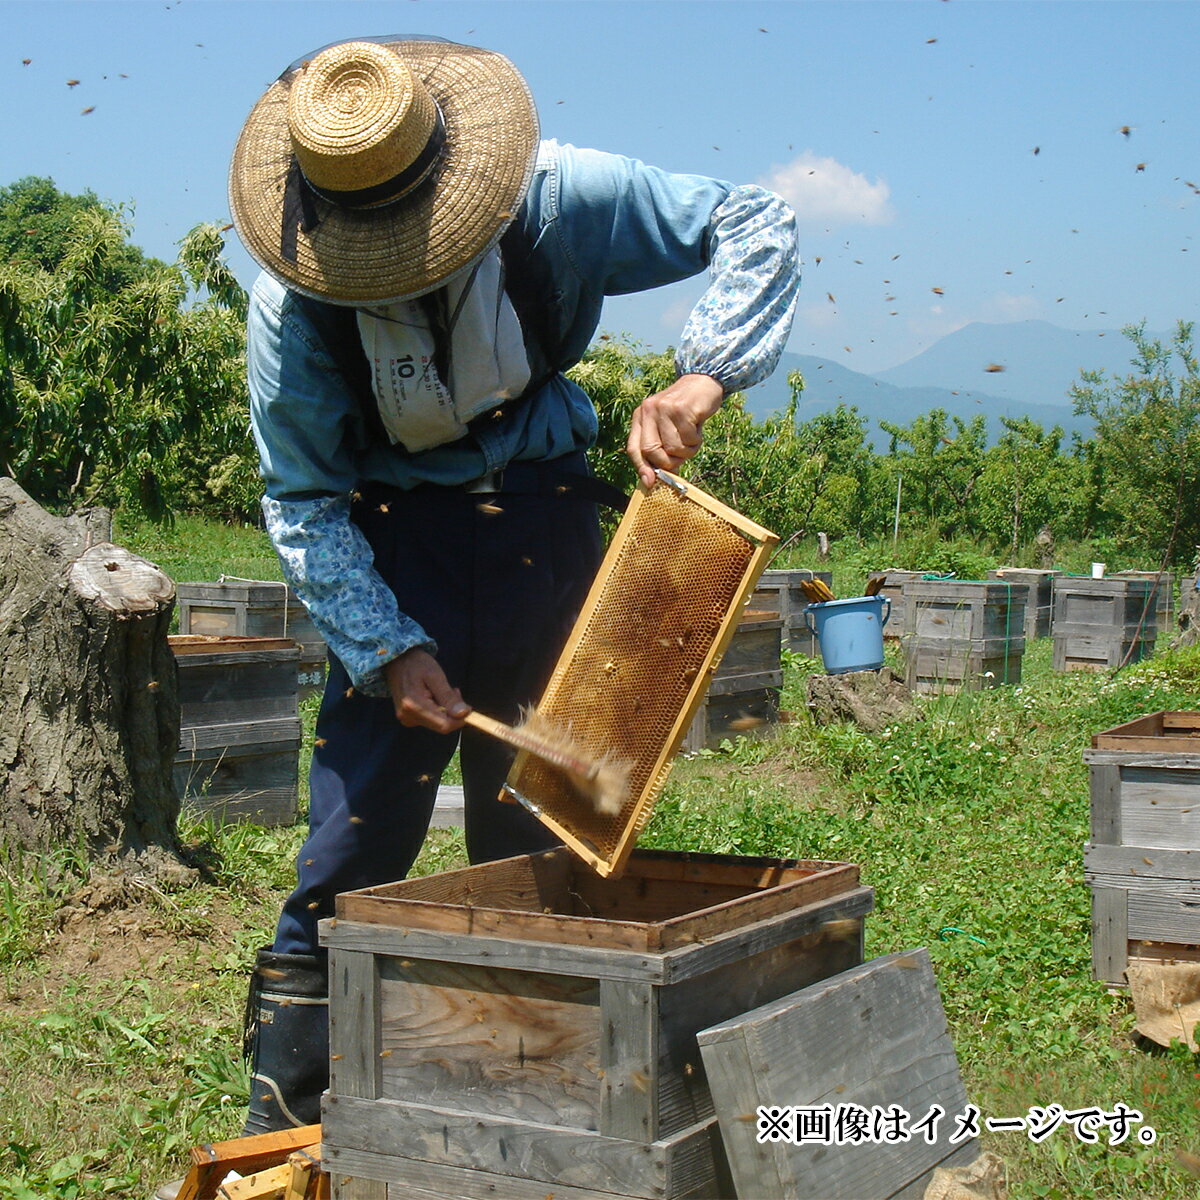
287	1041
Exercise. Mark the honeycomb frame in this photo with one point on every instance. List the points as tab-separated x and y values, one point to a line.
661	611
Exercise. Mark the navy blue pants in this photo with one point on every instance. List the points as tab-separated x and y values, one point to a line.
499	593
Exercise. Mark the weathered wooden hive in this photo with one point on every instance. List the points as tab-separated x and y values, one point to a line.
743	694
1143	861
1162	589
1039	609
780	591
239	738
963	635
893	588
1102	623
254	608
526	1028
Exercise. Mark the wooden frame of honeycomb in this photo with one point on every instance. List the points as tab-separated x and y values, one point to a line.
661	612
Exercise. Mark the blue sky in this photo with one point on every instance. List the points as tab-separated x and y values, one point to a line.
973	146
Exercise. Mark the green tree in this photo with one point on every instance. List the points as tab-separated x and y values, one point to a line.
1027	482
38	223
939	472
1144	457
124	389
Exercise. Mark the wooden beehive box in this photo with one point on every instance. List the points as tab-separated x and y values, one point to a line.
254	608
893	589
1039	608
1102	623
239	738
744	692
1162	589
779	591
1143	861
963	635
526	1027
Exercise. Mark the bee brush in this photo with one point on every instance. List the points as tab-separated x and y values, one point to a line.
603	781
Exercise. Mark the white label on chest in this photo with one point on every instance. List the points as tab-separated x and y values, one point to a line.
487	360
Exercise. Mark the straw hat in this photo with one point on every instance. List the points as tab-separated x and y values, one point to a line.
378	168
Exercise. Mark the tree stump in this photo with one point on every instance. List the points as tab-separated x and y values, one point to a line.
88	696
1188	621
870	699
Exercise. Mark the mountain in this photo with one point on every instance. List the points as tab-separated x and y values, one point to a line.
828	384
1040	360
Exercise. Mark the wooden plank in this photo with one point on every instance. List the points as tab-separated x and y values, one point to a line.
1105	783
231	650
275	733
212	1161
263	1185
504	1044
496	951
740	685
797	1051
355	1067
1137	865
598	963
449	808
663	901
628	1057
1160	732
1162	952
961	1156
412	1180
1160	807
690	961
1163	917
1181	722
346	1187
521	1151
306	1180
1110	933
695	1004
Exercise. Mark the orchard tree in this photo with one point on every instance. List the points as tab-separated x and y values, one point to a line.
124	388
1144	456
939	471
1027	483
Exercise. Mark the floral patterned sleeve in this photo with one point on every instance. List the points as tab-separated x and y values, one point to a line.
327	560
737	331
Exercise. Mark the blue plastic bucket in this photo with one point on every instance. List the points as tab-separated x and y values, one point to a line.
849	632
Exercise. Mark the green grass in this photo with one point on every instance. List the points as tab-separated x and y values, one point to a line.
121	1022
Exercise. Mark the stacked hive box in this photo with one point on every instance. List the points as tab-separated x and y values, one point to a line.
744	692
963	635
239	738
1162	584
1039	608
253	608
526	1028
893	588
1102	623
1143	861
779	591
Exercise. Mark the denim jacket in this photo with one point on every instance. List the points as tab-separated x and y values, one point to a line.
598	225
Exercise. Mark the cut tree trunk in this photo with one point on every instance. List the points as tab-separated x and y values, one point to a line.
89	704
1188	621
871	700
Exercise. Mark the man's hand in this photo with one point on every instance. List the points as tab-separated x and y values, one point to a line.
665	430
422	694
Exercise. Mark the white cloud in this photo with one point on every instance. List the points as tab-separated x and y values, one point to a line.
822	190
1004	306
